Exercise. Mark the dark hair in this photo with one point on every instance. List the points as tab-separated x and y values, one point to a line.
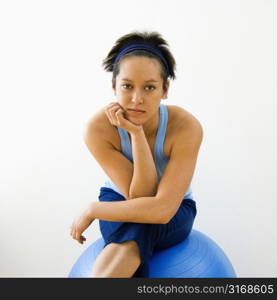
153	38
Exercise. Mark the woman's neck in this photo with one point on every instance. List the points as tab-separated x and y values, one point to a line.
150	128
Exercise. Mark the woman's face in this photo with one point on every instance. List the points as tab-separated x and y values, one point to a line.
139	85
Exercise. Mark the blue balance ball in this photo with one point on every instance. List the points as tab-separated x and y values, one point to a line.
197	256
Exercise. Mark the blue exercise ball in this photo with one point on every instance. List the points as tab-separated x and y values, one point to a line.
198	256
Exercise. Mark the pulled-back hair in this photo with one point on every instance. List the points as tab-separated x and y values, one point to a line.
153	38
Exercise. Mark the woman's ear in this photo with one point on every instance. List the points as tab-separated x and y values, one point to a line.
166	89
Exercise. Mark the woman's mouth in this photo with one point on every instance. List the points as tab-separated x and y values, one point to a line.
135	112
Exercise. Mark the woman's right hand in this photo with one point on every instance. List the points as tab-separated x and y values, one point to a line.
116	116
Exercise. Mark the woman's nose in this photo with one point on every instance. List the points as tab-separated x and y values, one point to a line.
137	97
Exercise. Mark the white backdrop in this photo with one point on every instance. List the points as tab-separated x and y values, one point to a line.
52	82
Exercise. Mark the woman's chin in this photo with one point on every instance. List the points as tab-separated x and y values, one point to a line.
134	119
136	122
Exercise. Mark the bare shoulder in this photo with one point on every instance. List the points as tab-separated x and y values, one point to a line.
98	118
181	120
99	122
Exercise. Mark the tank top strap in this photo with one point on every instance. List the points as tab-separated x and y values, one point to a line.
159	144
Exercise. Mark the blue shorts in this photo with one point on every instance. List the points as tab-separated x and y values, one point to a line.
149	237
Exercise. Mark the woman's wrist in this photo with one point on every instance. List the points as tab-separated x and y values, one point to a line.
136	132
90	212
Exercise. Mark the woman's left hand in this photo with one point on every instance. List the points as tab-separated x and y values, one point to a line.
80	224
118	117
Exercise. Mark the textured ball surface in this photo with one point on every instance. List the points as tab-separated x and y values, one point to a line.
198	256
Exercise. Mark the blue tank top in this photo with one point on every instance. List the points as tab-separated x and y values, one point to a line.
159	158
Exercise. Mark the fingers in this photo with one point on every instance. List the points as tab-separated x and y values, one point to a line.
119	116
76	235
114	113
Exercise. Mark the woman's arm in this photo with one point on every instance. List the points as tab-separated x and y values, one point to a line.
145	179
163	206
139	210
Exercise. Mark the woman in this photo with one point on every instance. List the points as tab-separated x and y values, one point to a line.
149	152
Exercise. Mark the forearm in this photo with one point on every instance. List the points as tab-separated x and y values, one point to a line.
140	210
145	179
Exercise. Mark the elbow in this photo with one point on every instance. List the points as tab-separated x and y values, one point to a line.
166	212
156	217
160	220
165	217
165	220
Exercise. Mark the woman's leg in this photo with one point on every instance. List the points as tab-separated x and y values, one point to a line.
130	244
118	253
117	260
121	255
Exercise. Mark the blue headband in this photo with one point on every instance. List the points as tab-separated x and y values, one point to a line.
142	46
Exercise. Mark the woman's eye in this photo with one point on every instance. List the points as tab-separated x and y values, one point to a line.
150	87
126	86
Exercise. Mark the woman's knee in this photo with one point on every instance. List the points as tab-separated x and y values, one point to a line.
126	247
131	246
